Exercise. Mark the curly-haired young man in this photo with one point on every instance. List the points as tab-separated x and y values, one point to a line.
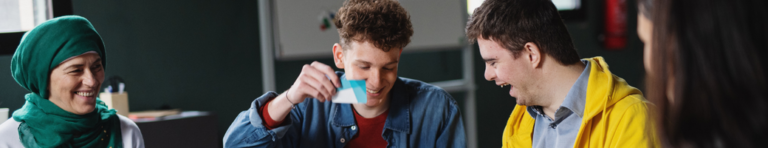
562	101
399	112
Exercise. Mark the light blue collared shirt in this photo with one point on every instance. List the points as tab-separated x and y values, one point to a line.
562	131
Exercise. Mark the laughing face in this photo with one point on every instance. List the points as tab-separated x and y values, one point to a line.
508	71
364	61
74	84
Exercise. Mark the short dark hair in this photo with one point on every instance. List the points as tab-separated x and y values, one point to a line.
384	23
714	52
513	23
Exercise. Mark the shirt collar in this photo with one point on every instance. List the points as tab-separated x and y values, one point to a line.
576	98
533	111
399	115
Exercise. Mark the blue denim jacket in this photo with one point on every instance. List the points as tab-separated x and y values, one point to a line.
420	115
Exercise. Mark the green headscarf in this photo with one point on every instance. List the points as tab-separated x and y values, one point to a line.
44	124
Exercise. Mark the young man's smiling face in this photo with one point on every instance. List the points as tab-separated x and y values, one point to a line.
364	61
506	70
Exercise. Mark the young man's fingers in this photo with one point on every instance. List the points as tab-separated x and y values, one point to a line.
318	81
326	84
321	78
328	71
318	86
313	93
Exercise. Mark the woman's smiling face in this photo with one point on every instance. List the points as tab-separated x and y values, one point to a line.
75	83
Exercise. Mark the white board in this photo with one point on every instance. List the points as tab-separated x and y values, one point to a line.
437	24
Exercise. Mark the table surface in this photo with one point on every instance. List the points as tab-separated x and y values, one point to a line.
186	129
181	115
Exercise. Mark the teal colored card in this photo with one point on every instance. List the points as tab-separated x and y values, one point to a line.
351	91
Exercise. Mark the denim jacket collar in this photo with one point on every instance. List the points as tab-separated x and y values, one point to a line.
399	110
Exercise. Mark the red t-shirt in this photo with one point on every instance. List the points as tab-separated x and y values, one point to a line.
370	131
369	134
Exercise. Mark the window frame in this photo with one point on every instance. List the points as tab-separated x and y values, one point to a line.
10	41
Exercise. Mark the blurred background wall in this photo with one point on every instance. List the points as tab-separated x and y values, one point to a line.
204	55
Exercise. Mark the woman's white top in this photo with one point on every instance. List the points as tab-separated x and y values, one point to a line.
9	134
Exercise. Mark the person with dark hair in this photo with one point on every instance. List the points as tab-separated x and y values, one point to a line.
562	101
399	112
706	71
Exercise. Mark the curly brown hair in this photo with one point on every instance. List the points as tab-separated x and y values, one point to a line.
384	23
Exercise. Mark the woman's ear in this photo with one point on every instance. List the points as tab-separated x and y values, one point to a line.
534	54
338	56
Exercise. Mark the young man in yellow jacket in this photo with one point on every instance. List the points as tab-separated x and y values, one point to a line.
562	101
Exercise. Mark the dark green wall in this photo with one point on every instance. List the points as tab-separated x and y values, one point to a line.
192	55
204	55
11	93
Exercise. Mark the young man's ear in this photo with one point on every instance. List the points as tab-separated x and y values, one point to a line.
534	54
338	56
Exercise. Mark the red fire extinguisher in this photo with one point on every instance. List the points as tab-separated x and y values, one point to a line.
615	32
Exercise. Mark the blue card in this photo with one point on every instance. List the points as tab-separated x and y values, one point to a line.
351	91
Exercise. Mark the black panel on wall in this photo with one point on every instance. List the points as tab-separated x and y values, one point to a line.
61	7
9	42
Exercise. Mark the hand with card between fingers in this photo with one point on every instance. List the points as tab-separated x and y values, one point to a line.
316	80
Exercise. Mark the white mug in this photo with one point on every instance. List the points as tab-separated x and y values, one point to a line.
3	115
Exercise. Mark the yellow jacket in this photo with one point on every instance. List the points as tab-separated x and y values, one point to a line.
615	115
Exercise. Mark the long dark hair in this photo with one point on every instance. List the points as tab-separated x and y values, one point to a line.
715	51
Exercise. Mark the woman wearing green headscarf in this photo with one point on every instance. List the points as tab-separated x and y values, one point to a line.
62	63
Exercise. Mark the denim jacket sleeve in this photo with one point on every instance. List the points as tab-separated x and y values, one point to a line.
453	133
248	129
